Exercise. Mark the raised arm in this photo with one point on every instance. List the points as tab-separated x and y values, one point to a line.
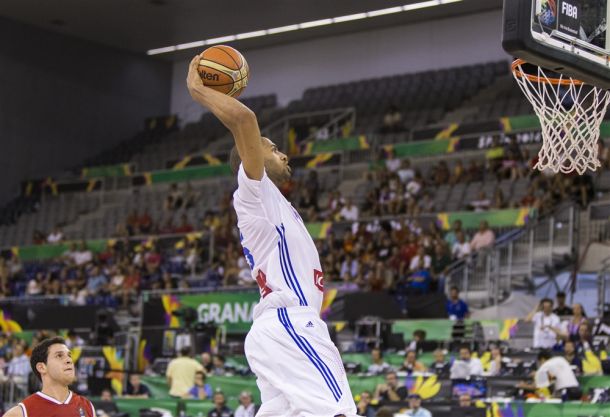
239	119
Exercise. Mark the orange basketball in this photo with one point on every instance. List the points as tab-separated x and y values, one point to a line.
224	69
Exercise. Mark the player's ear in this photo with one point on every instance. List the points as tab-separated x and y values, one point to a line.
41	367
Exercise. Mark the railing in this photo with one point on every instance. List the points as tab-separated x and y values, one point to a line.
598	229
9	393
488	276
603	286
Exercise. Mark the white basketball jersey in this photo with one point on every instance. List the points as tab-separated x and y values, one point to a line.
277	246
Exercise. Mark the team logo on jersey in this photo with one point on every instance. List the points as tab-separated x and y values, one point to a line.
318	279
309	324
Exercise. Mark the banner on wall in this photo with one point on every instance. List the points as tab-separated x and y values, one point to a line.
233	310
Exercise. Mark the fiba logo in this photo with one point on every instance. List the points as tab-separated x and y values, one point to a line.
548	14
569	10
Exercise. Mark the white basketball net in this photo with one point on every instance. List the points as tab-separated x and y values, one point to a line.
570	114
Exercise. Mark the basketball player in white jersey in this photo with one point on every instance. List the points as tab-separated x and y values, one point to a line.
298	368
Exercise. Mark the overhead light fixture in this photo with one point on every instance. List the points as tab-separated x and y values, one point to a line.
302	26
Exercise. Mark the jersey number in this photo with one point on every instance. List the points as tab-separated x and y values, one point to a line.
261	280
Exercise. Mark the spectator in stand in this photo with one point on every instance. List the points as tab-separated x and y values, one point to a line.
133	223
206	362
218	368
220	406
145	223
465	401
349	211
496	364
411	364
484	238
562	309
190	196
184	226
451	236
106	407
97	281
378	366
481	203
441	174
392	120
414	186
499	202
546	325
571	327
18	368
440	265
420	261
39	238
74	340
392	163
181	373
570	354
466	366
175	197
415	408
406	173
584	342
461	248
201	390
457	309
364	405
390	391
555	371
475	172
458	173
530	199
440	366
56	236
84	255
246	408
135	388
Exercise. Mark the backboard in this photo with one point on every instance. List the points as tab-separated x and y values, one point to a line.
566	36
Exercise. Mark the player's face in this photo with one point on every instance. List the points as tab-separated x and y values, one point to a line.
59	366
276	162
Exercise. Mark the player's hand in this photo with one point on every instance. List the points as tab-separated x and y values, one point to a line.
193	79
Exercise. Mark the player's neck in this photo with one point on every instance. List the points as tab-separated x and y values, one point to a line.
58	391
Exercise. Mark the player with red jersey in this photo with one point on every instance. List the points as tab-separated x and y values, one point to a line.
52	363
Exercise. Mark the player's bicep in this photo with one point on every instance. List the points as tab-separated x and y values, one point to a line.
247	137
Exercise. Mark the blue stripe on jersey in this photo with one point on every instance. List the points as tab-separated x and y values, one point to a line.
291	279
286	278
311	354
298	289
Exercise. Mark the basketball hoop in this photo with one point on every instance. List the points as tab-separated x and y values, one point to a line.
570	114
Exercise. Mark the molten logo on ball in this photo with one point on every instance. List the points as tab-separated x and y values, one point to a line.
210	77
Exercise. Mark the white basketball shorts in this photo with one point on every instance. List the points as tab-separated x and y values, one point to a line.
298	368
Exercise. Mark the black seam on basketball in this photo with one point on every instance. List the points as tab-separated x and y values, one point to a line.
232	59
222	85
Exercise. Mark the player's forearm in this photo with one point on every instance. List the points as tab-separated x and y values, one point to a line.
229	111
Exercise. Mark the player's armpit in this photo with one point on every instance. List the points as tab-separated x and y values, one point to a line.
14	412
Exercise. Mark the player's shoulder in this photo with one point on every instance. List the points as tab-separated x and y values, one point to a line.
16	411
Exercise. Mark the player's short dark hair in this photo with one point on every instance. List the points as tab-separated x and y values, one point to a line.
200	373
546	300
454	288
234	160
185	351
561	294
40	353
544	355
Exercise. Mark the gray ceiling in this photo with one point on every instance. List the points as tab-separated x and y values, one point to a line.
139	25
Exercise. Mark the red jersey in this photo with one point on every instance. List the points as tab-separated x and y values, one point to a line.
42	405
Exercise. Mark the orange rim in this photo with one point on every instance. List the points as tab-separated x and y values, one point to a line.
517	70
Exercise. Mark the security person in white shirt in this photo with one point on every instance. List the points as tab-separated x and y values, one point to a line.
555	371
